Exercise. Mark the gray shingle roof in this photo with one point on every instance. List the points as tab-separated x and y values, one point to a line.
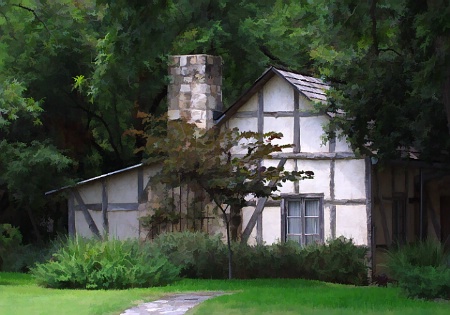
312	88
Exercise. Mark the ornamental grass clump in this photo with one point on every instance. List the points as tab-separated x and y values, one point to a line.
422	270
113	264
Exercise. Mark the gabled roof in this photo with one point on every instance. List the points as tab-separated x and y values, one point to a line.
95	178
312	88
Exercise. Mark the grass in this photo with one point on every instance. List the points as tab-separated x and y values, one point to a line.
20	295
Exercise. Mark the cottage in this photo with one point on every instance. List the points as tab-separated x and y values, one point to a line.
350	195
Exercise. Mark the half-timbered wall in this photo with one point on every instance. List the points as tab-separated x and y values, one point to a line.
340	178
110	205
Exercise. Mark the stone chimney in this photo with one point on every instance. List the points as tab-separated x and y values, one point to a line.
195	89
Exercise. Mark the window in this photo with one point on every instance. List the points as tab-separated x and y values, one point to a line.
303	219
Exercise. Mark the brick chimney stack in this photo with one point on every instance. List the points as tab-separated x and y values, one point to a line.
195	89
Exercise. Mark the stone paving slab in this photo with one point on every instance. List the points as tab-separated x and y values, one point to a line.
175	304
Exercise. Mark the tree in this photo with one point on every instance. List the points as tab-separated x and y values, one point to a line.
27	170
387	61
208	159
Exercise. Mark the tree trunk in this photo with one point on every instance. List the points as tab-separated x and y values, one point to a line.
230	252
37	234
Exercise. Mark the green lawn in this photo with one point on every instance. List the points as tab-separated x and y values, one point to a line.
19	295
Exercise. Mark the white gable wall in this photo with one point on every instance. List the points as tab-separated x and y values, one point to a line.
339	178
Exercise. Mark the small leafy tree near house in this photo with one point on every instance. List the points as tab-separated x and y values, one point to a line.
226	165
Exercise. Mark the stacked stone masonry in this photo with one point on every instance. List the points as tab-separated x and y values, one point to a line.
195	91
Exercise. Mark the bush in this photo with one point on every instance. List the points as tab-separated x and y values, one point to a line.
113	264
10	242
338	261
422	269
281	260
199	255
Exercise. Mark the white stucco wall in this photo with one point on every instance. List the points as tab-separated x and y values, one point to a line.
311	132
321	181
285	125
123	188
350	179
278	95
251	105
351	222
271	225
123	224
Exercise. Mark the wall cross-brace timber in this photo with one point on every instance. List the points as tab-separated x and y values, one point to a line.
297	147
105	206
91	223
71	216
258	210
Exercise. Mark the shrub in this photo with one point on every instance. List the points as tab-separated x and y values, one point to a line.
421	269
339	261
10	242
197	254
281	260
113	264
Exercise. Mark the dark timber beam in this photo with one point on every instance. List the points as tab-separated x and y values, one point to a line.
110	206
105	206
258	210
297	147
316	156
92	226
71	217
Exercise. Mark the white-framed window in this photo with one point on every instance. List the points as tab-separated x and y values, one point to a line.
302	217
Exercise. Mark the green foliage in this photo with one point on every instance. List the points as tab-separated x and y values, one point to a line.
339	261
22	258
282	260
113	264
421	269
13	104
10	239
31	169
199	255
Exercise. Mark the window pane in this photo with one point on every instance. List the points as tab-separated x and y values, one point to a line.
294	226
312	225
295	238
311	239
312	208
294	208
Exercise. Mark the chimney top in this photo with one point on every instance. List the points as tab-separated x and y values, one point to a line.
195	89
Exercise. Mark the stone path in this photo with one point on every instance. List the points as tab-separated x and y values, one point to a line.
176	304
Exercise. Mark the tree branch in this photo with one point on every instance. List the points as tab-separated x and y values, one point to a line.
271	56
373	17
392	50
105	124
34	13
